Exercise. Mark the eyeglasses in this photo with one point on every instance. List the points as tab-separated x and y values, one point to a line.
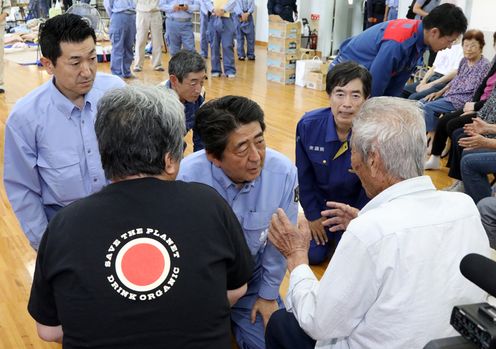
471	46
195	83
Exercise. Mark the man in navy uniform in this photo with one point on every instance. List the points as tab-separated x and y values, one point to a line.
255	181
323	155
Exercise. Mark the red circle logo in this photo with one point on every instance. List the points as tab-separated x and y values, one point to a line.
142	264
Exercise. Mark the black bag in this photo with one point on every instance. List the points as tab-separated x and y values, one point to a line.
410	14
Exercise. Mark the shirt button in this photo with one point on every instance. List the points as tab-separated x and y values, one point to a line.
95	179
89	151
82	121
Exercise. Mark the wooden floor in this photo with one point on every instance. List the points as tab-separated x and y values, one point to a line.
283	106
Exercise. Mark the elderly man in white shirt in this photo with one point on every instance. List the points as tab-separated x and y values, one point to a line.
394	277
148	18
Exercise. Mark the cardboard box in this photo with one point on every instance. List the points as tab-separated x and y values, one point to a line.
316	81
284	46
281	60
279	28
281	76
324	67
306	53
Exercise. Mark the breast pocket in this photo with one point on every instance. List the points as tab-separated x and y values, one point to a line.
256	228
62	174
321	168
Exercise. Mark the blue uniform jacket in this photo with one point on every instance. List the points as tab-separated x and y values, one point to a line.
254	205
389	50
320	177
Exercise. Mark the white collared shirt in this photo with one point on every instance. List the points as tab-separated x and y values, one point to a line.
394	277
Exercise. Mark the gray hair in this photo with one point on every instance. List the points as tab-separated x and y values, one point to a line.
185	62
136	126
395	128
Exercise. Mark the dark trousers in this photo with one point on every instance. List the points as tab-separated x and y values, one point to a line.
455	157
445	128
284	332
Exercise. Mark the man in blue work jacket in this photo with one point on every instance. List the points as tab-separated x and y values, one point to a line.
221	31
323	156
187	74
122	31
391	50
254	181
245	28
178	24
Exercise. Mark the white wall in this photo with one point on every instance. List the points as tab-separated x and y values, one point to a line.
261	21
480	14
482	17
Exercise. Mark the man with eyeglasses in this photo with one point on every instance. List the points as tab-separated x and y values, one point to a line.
323	155
255	182
51	151
187	73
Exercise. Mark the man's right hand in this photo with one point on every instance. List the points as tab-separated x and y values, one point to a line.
318	232
338	216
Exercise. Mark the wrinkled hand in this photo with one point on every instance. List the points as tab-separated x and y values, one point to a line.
265	308
478	126
3	15
340	216
290	241
317	231
474	141
469	106
433	96
245	16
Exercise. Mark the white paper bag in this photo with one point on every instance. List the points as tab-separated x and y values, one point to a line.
303	67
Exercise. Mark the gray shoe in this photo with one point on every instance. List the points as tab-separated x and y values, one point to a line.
137	69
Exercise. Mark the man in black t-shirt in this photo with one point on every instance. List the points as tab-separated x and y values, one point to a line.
147	262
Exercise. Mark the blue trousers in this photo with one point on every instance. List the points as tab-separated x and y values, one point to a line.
122	32
392	13
433	109
204	35
248	335
317	254
221	31
475	166
284	332
245	30
179	34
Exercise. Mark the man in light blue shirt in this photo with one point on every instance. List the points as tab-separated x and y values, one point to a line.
255	181
178	25
122	31
221	31
245	28
51	151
